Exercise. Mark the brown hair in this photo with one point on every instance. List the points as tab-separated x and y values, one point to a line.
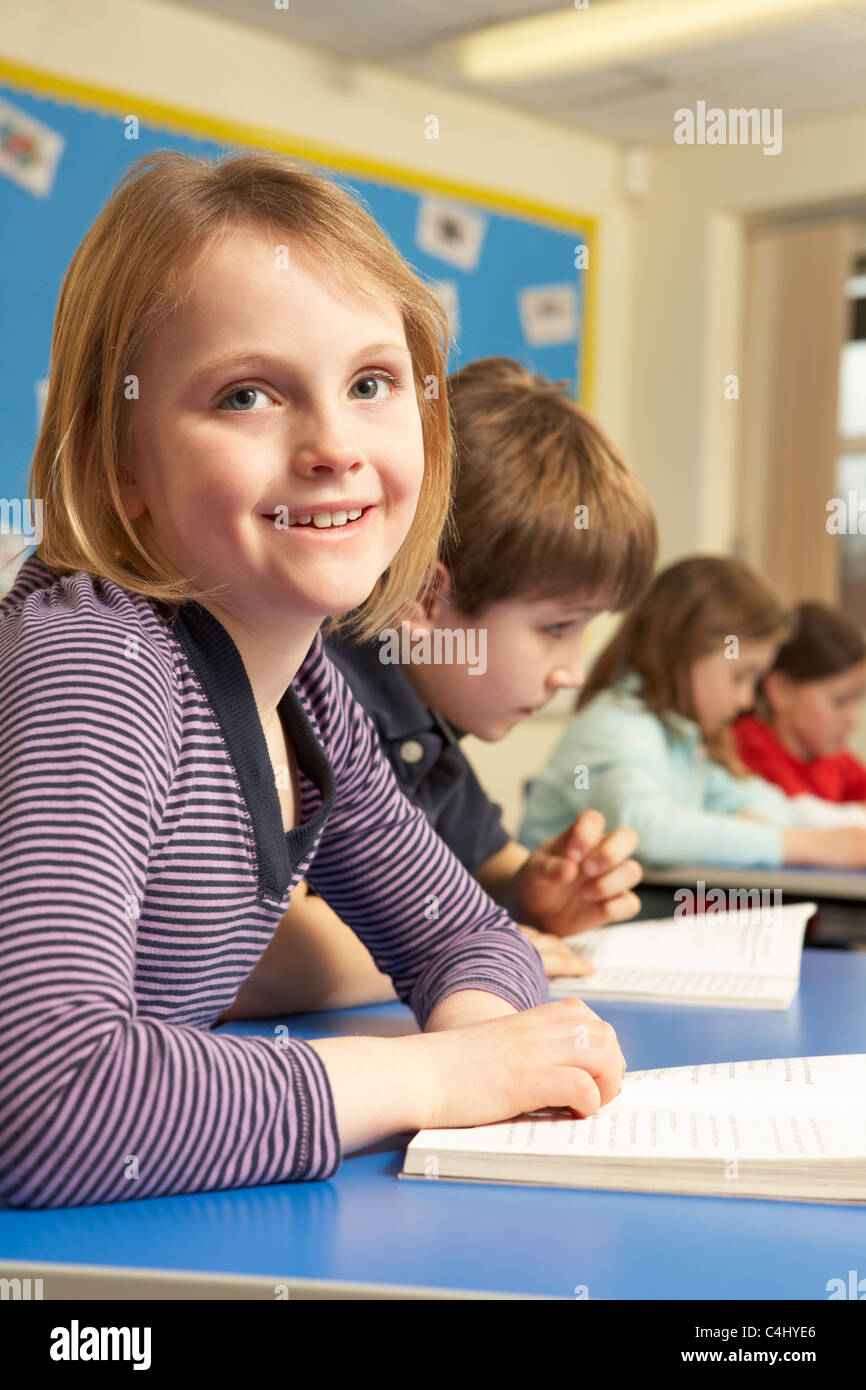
824	643
134	267
527	455
690	609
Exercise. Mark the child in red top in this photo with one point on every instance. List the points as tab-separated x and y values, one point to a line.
808	706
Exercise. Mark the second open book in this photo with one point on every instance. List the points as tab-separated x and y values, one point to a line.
743	960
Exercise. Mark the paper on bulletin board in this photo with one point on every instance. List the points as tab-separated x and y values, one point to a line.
447	293
548	314
450	232
29	150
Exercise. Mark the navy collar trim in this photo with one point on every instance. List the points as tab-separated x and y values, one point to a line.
221	672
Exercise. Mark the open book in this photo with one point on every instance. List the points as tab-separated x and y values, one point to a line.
741	960
791	1128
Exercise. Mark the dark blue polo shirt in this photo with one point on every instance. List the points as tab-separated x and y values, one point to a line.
424	751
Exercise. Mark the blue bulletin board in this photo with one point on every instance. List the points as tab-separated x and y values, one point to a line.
515	276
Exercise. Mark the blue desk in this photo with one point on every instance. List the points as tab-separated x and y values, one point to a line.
366	1226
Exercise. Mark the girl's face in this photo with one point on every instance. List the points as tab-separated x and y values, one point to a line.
817	717
723	687
275	396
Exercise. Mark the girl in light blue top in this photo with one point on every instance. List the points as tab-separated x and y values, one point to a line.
649	745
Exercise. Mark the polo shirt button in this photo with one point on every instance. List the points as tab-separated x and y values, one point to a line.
411	751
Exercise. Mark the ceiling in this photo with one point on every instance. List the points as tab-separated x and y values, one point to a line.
807	67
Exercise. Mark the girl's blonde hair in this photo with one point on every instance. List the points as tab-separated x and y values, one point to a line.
136	265
690	609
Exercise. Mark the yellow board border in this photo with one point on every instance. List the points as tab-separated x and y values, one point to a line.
187	122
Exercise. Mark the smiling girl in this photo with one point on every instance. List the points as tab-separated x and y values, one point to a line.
241	362
650	745
519	581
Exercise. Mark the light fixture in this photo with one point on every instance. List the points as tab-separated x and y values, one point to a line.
621	31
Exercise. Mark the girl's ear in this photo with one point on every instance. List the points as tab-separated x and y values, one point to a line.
778	689
133	502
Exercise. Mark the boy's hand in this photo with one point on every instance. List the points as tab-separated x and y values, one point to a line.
580	879
556	957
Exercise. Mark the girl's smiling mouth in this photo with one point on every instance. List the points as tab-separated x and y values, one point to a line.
322	521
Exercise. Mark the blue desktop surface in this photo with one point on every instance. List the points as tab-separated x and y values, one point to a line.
365	1225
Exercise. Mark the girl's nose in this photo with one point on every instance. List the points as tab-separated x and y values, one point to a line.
324	442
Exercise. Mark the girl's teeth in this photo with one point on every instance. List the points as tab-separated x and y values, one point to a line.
325	519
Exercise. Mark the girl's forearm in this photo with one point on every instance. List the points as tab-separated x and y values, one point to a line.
797	847
467	1006
844	848
381	1086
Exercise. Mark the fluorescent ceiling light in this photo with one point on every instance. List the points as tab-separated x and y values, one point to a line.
621	31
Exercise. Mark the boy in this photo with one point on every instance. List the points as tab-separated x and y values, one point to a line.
550	528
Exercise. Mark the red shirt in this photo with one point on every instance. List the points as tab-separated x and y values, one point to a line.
839	777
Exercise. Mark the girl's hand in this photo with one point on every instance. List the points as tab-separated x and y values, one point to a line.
580	879
556	957
558	1054
844	848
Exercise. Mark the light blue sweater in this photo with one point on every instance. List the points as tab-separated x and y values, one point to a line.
654	775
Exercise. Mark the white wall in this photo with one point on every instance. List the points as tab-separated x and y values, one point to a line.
685	322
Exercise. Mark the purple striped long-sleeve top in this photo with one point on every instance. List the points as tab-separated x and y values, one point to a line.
144	869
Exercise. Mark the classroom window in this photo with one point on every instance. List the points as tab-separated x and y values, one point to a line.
851	457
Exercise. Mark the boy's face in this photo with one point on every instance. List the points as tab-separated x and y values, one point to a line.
316	415
530	648
820	715
723	686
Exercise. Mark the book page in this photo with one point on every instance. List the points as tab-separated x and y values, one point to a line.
847	1068
783	1108
688	1134
732	943
794	1084
661	1133
686	984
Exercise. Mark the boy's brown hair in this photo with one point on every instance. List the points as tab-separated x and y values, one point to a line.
690	609
135	266
526	457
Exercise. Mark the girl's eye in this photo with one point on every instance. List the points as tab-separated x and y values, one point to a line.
243	391
245	395
555	629
374	379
